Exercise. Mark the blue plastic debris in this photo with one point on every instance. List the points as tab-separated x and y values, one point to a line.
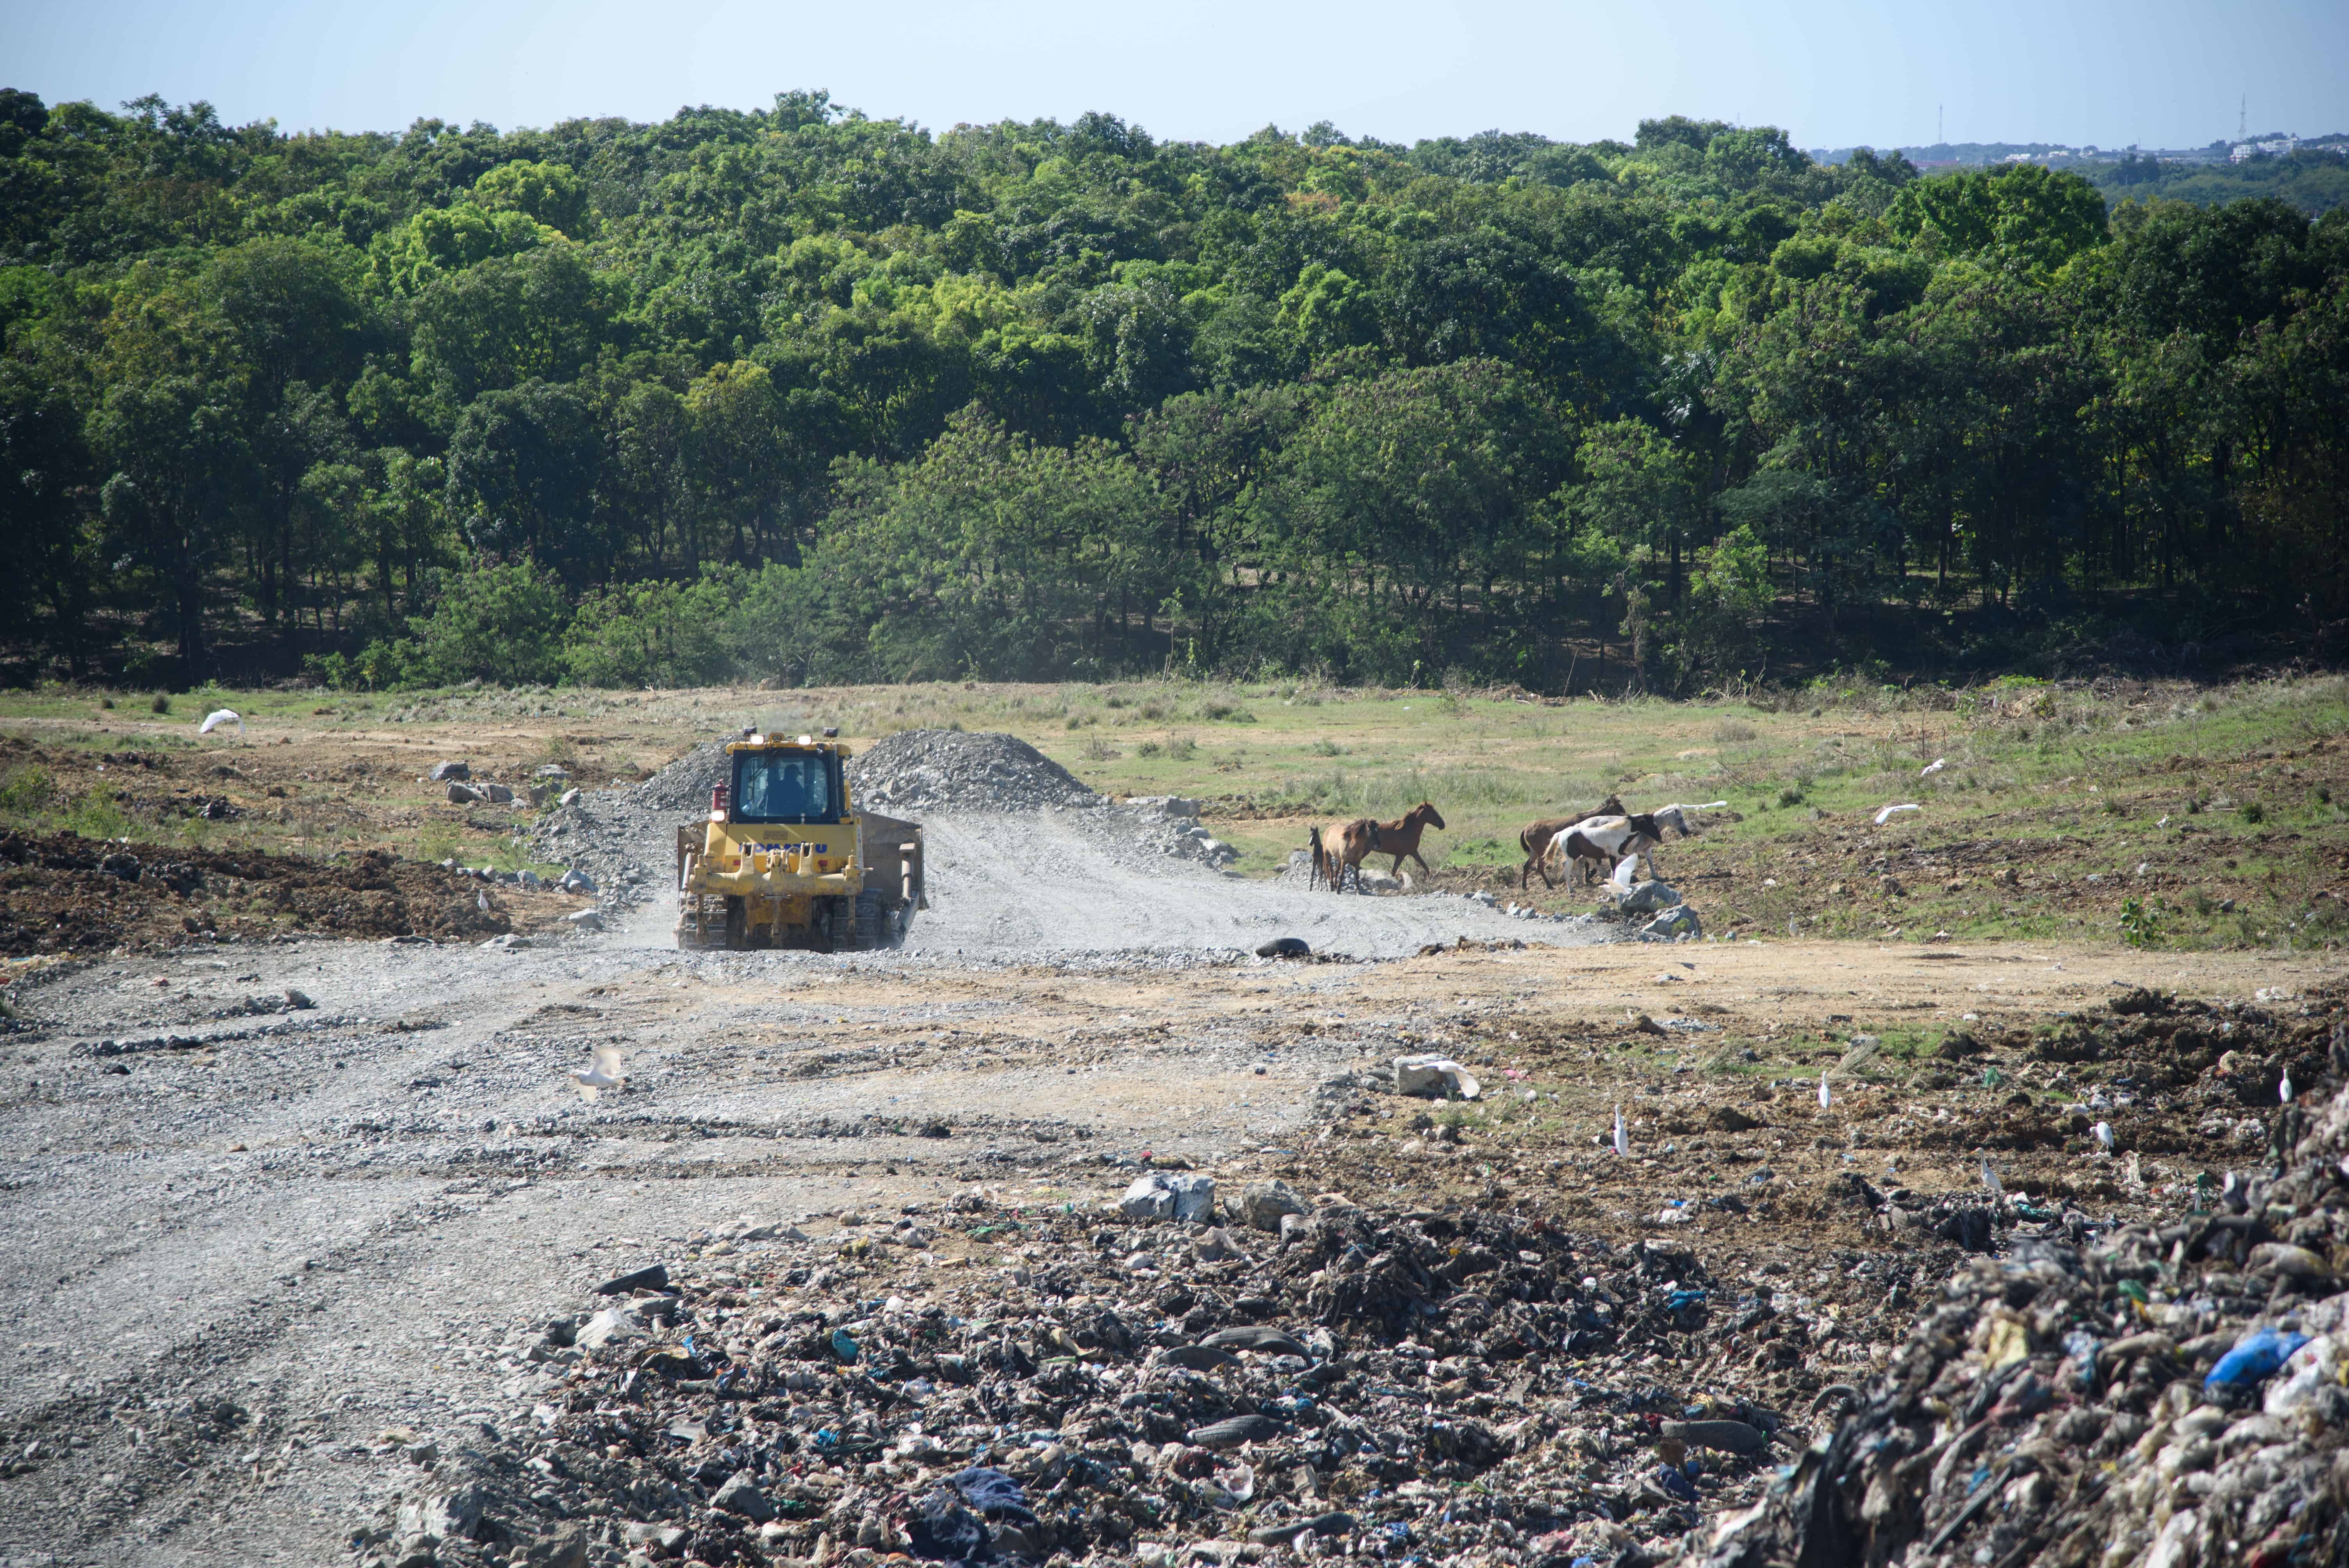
1669	1478
991	1494
2255	1356
842	1346
2081	1346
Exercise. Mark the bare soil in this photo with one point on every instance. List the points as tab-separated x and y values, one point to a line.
247	1244
68	895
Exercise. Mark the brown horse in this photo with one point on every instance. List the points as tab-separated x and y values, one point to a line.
1337	846
1400	838
1538	837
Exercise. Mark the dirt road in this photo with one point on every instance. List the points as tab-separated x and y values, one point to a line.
243	1241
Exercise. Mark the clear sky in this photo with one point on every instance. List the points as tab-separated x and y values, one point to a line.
1833	73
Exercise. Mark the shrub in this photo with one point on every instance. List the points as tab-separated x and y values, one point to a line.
2141	921
657	633
160	703
496	622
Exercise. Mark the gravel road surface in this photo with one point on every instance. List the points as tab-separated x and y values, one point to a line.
245	1236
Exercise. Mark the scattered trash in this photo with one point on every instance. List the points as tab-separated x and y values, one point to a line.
1433	1077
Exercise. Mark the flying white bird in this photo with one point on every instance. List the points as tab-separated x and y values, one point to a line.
1990	1179
1932	768
2284	1089
604	1071
1889	813
1825	1099
220	718
2103	1131
1628	869
1623	1138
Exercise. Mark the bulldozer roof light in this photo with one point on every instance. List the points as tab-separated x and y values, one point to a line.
831	731
807	740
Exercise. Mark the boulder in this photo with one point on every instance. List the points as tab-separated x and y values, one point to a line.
1647	897
1262	1203
611	1324
447	772
1195	1195
1680	920
1149	1198
740	1495
442	1517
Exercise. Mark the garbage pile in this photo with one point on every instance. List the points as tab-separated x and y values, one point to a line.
2168	1396
946	770
968	1382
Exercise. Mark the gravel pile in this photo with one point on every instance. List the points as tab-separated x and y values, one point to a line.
625	840
967	1381
2168	1396
944	769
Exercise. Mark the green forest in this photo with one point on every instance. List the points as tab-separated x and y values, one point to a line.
2314	179
796	394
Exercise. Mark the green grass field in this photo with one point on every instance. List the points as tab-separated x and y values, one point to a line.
2047	801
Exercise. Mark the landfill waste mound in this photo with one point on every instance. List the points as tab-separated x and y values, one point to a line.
948	770
2165	1396
71	895
1304	1374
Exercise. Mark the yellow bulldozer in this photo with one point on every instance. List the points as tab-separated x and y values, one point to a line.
787	861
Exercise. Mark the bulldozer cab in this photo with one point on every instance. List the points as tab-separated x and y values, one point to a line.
783	784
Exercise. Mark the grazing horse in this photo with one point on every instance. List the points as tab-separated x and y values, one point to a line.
1337	846
1539	839
1597	842
1400	838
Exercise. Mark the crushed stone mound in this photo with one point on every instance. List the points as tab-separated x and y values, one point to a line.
944	769
685	784
65	894
2170	1395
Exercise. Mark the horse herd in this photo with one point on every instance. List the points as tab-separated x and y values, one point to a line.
1589	844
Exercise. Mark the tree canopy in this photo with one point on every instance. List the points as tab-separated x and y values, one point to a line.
801	393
